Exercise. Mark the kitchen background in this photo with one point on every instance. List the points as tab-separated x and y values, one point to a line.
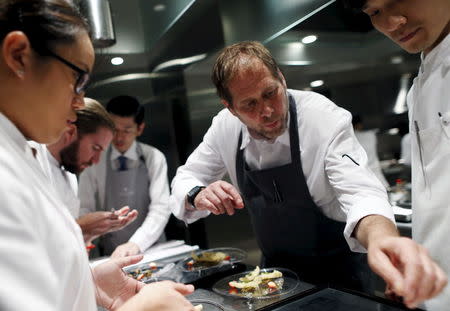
162	51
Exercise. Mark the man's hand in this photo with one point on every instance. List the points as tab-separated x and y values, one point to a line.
114	288
96	224
404	265
407	269
126	249
219	197
161	296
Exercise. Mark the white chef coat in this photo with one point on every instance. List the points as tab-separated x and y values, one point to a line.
92	191
64	182
428	98
44	264
342	190
368	140
66	185
405	149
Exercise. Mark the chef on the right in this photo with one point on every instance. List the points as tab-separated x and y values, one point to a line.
423	26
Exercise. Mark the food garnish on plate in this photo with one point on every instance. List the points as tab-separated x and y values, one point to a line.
143	273
206	259
257	283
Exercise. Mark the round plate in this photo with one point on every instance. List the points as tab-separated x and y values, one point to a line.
208	305
236	255
144	273
289	282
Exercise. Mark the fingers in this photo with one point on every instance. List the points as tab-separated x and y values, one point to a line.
429	280
441	281
184	289
219	198
130	217
234	194
382	265
419	282
407	269
123	211
126	261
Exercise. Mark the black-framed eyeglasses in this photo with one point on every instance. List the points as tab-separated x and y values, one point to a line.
83	76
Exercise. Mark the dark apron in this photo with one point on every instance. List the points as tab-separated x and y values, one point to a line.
129	187
291	230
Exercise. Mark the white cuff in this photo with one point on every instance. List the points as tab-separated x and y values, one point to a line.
363	208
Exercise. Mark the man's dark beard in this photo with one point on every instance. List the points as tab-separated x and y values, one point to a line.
69	158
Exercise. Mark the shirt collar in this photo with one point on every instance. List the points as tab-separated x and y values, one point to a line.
52	159
282	139
131	153
437	56
16	136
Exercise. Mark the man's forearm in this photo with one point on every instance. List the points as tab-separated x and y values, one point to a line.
373	227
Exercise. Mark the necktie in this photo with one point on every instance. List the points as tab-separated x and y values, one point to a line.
122	163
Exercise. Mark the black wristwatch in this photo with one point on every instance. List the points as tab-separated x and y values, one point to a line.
190	197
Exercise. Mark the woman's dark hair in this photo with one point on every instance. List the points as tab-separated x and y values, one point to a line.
126	106
46	23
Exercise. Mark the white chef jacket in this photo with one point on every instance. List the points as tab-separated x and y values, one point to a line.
342	190
92	191
66	185
405	151
43	265
429	115
368	140
64	182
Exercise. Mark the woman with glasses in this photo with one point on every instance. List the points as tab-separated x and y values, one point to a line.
46	56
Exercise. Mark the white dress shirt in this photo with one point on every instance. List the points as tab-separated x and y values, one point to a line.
342	190
429	117
92	191
44	264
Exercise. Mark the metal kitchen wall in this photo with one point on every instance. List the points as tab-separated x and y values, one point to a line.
168	48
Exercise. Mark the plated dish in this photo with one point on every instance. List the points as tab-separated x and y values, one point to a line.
258	283
211	258
146	272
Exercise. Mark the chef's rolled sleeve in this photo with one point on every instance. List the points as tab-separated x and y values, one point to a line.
363	208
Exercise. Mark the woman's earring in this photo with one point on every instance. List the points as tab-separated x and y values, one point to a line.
20	73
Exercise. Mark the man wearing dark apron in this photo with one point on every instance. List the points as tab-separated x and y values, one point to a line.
302	239
299	185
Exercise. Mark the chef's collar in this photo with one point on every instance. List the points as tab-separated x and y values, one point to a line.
17	137
282	139
131	153
437	56
53	160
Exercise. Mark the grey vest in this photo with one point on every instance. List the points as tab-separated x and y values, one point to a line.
129	187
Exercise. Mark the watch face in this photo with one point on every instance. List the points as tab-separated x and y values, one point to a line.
193	193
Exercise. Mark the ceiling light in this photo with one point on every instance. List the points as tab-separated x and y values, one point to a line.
159	7
316	83
117	61
180	62
393	131
309	39
396	60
